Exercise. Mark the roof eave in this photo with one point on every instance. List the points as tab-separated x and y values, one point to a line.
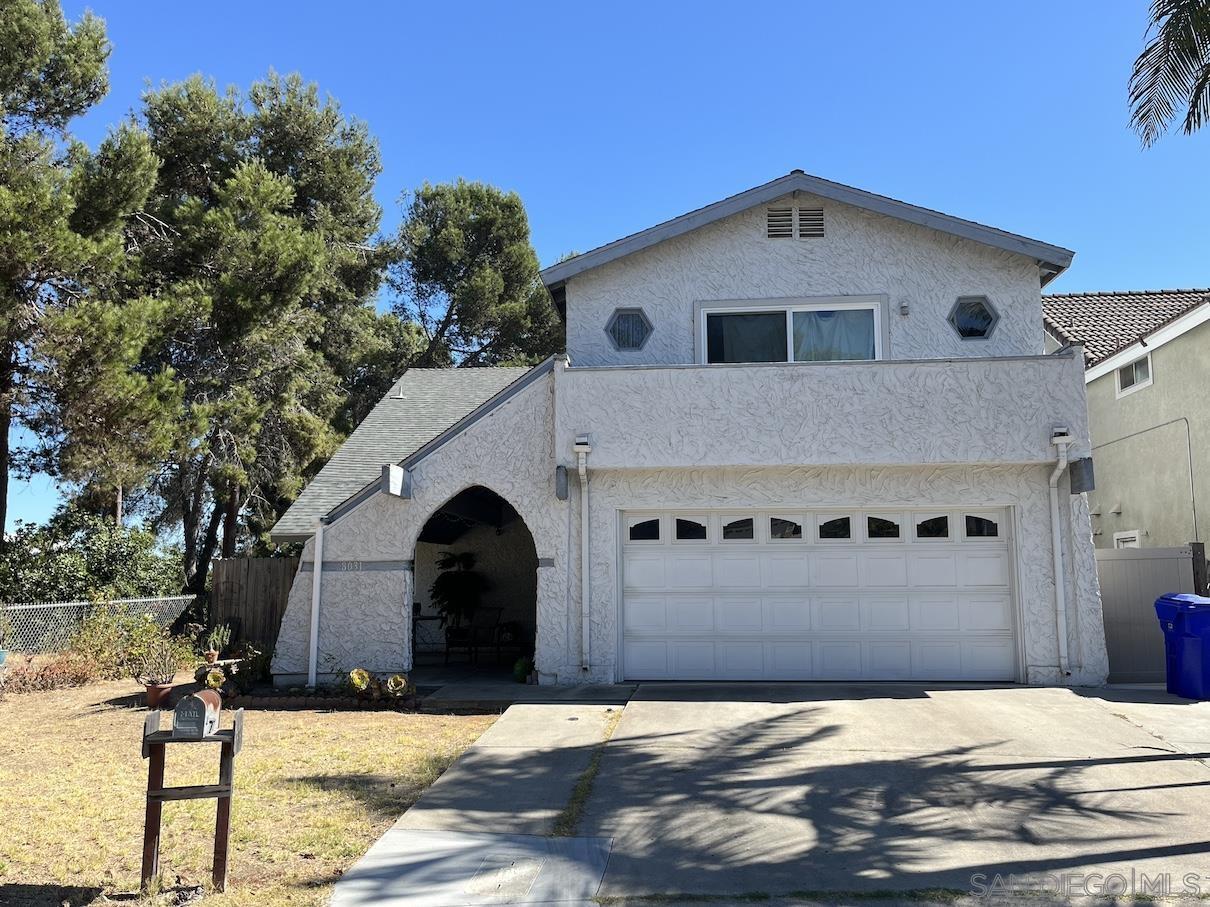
1053	260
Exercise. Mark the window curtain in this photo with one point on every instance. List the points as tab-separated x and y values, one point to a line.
824	336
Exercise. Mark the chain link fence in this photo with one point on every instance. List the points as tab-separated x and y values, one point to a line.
47	626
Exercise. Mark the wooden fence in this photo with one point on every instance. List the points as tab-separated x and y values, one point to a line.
1131	580
250	593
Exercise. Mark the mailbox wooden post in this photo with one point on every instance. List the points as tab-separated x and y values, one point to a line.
195	721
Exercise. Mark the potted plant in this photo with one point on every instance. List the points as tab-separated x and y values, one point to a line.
157	671
218	640
458	589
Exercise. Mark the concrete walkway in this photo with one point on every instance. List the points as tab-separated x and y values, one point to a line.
814	792
481	833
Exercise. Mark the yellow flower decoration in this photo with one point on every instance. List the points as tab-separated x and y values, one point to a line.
397	685
360	679
215	679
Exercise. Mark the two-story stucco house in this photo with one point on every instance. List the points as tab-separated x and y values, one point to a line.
1147	373
803	433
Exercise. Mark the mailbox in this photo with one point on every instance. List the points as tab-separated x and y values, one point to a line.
196	716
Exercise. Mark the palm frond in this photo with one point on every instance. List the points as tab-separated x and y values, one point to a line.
1173	71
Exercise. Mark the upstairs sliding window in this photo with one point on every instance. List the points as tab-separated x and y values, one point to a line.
824	332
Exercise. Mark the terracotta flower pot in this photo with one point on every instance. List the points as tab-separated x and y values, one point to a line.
211	657
157	694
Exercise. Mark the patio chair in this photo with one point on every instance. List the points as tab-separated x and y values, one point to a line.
478	630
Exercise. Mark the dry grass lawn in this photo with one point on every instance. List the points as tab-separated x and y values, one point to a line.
313	790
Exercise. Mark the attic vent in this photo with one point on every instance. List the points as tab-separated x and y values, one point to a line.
781	223
810	223
788	223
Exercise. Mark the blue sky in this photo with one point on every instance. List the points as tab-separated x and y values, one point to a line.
607	118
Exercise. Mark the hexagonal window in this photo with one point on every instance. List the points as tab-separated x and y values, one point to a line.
973	317
628	329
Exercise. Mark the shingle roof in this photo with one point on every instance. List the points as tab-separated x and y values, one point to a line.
419	406
1108	322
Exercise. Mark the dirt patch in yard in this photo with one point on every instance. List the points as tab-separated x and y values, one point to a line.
314	789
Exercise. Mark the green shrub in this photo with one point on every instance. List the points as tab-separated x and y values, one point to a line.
121	644
523	668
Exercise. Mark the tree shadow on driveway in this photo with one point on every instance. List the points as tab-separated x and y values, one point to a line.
775	805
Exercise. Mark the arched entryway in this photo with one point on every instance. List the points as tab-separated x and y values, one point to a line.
486	622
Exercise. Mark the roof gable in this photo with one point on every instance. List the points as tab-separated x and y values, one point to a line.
1052	259
422	405
1106	323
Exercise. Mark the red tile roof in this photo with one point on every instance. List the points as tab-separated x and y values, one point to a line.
1108	322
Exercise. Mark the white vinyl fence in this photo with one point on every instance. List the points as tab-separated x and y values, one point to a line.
47	626
1131	580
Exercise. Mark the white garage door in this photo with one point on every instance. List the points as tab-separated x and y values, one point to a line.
837	595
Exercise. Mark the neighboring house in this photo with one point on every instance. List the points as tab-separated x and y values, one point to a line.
806	432
1147	355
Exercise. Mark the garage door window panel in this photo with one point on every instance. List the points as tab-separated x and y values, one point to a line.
691	529
739	529
882	527
643	529
835	528
785	528
932	527
980	526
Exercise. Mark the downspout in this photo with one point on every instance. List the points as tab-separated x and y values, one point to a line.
316	580
582	449
1061	439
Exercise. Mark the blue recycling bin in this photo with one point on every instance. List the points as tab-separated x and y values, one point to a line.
1185	622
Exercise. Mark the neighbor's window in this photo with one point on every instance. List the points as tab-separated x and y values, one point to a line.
1134	376
796	333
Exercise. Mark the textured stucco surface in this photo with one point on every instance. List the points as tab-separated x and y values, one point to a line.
861	254
1152	461
883	413
364	616
1024	489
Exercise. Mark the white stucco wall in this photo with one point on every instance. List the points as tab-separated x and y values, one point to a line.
1022	489
816	414
365	614
861	254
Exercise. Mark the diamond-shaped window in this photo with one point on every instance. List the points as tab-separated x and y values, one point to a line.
974	317
628	329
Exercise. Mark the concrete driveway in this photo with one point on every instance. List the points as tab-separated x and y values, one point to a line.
742	789
811	791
